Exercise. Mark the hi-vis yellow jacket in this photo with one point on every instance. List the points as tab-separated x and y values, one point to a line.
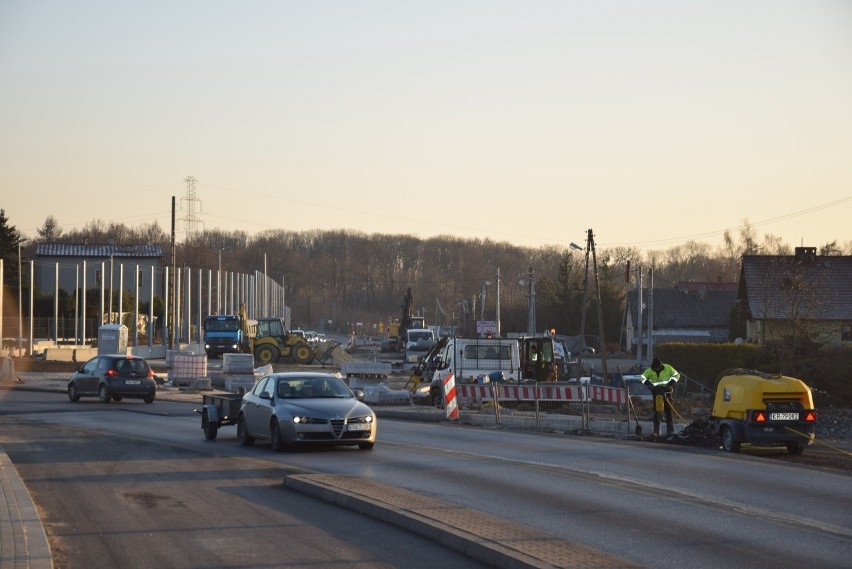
666	374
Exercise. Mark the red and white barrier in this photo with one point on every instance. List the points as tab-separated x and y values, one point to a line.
609	394
541	392
450	397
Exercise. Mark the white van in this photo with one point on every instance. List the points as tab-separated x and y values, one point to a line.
418	341
473	360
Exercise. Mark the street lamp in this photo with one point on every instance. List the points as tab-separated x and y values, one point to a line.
482	294
20	301
530	284
219	286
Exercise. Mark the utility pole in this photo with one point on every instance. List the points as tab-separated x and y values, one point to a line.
600	307
639	311
650	314
531	325
498	302
171	285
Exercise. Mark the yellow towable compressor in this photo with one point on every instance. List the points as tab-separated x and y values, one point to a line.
764	410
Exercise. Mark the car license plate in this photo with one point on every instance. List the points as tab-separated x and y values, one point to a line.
358	426
783	416
132	381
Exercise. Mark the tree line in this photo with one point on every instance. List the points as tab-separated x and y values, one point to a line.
335	278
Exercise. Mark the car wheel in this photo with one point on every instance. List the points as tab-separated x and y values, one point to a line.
246	440
302	353
366	446
437	399
72	393
729	440
149	399
278	443
103	394
210	428
265	355
795	448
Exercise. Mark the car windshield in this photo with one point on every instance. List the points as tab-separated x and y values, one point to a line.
301	388
230	325
131	366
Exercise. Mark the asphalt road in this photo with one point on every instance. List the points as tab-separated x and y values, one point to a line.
156	481
132	498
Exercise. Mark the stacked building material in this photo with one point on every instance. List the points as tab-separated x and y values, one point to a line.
187	368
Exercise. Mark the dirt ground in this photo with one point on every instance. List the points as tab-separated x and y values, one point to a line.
44	366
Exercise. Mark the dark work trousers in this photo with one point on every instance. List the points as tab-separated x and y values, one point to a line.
666	394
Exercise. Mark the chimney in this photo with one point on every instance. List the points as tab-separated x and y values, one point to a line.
805	254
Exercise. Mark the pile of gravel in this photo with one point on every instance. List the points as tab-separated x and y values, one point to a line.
834	424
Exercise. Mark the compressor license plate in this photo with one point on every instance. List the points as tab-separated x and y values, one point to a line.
783	416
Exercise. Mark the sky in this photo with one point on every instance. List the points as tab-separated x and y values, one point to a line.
652	123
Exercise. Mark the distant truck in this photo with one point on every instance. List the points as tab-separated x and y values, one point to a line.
763	409
418	342
224	334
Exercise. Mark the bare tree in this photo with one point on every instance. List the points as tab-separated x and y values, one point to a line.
50	231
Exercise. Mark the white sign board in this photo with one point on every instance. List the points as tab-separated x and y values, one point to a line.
486	326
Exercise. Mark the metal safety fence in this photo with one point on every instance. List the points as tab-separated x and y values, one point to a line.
544	406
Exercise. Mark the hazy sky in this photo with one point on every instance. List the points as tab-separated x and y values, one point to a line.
650	122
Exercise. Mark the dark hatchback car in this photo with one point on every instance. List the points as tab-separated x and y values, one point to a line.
113	377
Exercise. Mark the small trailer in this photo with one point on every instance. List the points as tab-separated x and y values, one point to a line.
218	410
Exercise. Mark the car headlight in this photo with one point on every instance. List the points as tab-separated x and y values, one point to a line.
298	420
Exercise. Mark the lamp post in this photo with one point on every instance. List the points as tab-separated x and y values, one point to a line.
585	300
20	301
530	284
498	302
219	286
482	295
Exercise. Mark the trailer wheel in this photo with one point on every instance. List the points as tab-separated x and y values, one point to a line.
210	428
729	440
246	439
302	353
795	448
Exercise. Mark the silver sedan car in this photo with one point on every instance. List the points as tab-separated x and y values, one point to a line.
301	409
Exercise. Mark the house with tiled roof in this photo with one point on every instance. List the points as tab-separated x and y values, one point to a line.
74	265
690	312
803	294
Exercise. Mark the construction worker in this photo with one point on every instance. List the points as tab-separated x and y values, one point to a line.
660	380
536	364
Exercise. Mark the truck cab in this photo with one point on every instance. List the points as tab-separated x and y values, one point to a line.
538	358
418	342
223	334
